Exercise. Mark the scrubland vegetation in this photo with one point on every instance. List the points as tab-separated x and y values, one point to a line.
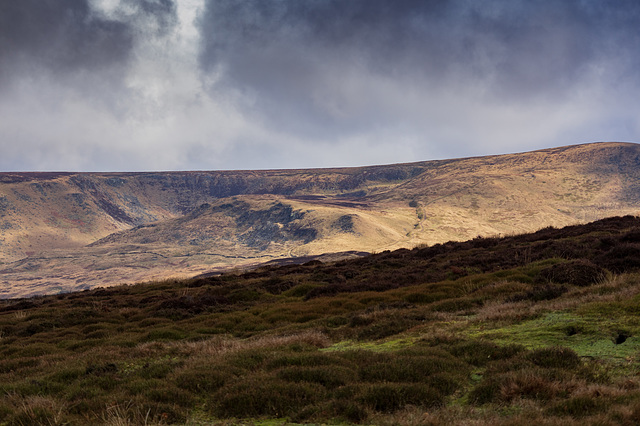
538	328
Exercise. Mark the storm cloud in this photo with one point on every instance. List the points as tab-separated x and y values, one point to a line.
144	84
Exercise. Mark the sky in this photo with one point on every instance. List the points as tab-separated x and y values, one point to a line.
151	85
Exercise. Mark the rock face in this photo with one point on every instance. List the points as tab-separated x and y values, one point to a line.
64	231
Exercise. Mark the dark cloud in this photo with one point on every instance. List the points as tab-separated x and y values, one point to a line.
285	55
61	38
428	37
136	85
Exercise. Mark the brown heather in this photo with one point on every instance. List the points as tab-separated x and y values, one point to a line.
457	334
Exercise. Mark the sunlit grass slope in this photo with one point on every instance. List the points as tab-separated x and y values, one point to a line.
63	232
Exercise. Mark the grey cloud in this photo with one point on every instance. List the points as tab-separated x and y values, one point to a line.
61	38
432	36
285	55
133	85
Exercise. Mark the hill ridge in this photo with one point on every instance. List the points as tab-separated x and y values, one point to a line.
79	230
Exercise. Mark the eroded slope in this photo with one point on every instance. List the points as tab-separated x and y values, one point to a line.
72	231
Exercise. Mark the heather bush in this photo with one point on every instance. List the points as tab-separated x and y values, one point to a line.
263	396
554	357
539	293
479	352
327	376
202	378
536	384
165	334
621	258
580	406
456	305
390	397
277	285
379	328
340	410
580	272
399	368
249	359
307	359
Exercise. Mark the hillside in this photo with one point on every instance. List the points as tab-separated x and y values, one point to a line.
70	231
41	211
537	328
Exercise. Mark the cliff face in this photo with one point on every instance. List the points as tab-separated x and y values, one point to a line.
61	231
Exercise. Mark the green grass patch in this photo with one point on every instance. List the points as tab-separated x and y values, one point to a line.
587	336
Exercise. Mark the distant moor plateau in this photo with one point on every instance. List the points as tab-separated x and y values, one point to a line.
62	232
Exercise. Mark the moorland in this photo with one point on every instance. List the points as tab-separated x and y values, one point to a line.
62	232
530	328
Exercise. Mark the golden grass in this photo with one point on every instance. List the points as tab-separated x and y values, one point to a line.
129	414
36	409
457	201
224	345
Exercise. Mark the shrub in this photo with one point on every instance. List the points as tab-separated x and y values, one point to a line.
139	386
424	298
243	295
479	352
165	334
340	410
5	411
385	327
263	396
390	397
67	375
156	370
99	370
410	369
455	305
170	396
327	376
37	349
308	359
107	382
445	383
349	410
301	290
580	406
621	258
277	285
540	293
580	272
486	391
250	359
536	383
202	379
554	357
